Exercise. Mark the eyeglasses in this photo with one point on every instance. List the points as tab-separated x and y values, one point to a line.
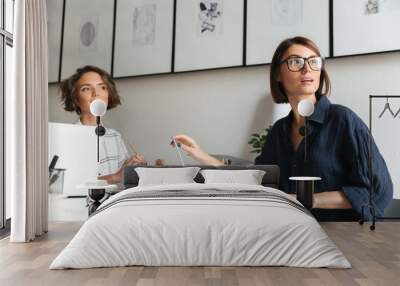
295	63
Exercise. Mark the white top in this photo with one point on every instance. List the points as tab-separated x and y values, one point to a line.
113	152
305	178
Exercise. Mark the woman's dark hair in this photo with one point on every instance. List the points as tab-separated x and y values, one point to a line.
70	89
277	90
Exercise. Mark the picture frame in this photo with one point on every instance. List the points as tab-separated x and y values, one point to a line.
143	42
88	34
269	22
208	34
55	12
365	26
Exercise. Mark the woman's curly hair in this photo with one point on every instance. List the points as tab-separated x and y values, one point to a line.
70	89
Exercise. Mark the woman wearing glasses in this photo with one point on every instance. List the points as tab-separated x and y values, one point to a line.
337	139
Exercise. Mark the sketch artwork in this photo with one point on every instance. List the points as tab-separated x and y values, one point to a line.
372	7
286	12
144	25
88	33
379	6
210	16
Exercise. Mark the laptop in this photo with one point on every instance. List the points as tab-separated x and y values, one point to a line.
76	147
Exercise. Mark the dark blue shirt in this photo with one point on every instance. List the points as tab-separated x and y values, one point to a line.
337	151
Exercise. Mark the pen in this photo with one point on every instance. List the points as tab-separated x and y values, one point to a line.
177	148
133	149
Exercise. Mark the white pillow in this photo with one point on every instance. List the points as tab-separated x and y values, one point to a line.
165	176
248	177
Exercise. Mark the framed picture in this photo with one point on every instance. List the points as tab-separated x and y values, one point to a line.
143	37
88	34
365	26
208	34
269	22
54	33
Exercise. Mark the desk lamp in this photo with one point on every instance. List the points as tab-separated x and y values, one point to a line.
305	185
98	108
305	109
97	189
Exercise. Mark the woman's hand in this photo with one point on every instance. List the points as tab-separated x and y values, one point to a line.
331	200
190	146
136	160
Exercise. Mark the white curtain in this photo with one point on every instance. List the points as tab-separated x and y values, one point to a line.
26	123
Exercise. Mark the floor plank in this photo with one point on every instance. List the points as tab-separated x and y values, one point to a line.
374	255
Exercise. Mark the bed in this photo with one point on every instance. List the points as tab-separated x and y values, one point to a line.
201	224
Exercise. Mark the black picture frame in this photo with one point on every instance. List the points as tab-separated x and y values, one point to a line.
360	28
87	35
271	21
143	37
209	34
108	59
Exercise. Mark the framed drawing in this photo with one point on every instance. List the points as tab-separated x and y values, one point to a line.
54	33
365	26
271	21
208	34
143	37
88	33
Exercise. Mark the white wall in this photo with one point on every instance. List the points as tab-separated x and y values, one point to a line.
222	108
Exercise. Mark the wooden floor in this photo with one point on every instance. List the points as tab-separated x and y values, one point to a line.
375	257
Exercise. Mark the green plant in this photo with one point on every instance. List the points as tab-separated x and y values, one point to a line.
257	141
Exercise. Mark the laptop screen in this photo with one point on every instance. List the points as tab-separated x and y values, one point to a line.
76	147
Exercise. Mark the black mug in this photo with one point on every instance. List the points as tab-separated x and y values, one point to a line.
305	190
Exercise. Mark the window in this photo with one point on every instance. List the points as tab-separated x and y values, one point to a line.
6	65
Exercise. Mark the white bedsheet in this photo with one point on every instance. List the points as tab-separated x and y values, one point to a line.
200	231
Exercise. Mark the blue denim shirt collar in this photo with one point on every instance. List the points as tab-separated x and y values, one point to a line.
319	115
321	110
